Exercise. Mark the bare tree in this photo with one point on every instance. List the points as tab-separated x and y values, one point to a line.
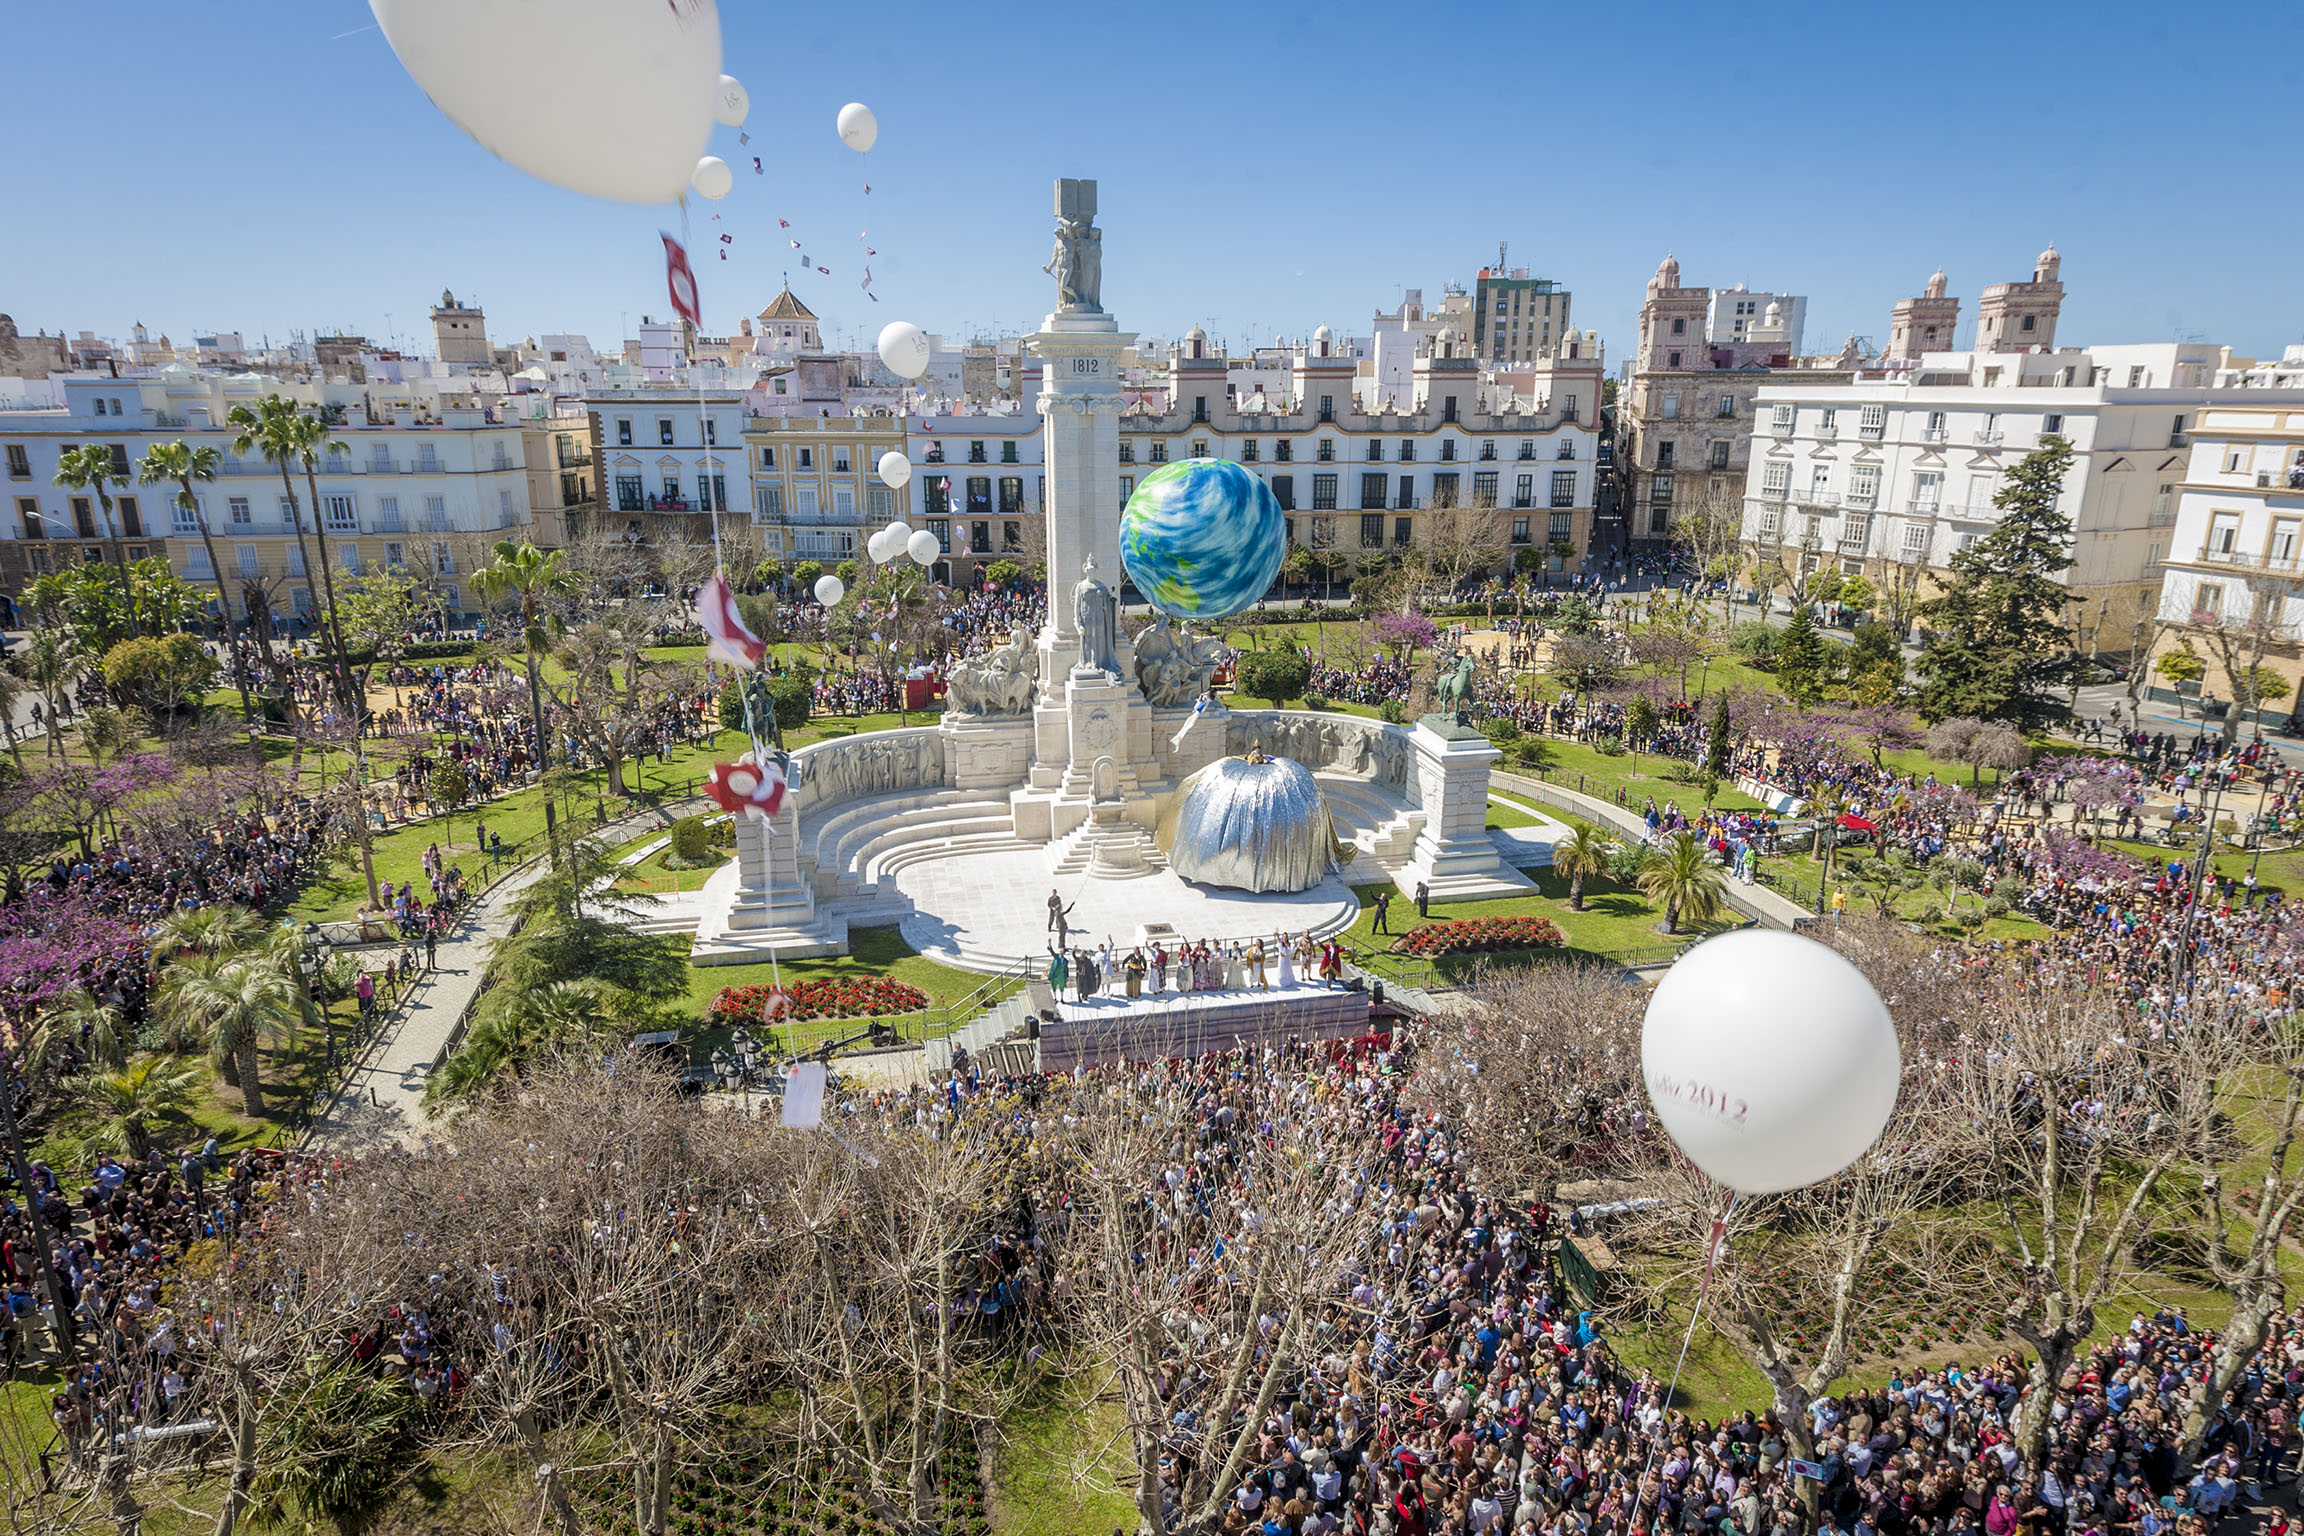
1709	537
2251	615
2074	1126
1542	1072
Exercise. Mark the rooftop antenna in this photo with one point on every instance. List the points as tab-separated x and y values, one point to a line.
1501	248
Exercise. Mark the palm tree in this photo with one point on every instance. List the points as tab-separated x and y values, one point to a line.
269	428
74	1015
312	439
1580	855
89	467
1684	878
526	1025
125	1099
220	928
245	1003
182	463
531	575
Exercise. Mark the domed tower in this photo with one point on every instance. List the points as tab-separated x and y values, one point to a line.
1924	324
1672	321
459	332
2021	317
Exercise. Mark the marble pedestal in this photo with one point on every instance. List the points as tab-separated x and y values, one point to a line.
1454	856
760	906
989	752
1085	716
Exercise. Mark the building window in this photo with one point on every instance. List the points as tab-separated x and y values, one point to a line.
1248	450
840	460
1326	452
1323	493
976	451
1374	489
664	430
2029	322
1484	488
631	498
1372	530
1011	537
1915	541
1672	406
1666	453
1407	492
1327	407
1127	453
880	502
1780	418
1720	453
1727	406
942	528
19	462
768	457
1672	360
1873	421
1519	530
1444	489
1008	452
1564	487
1557	527
1864	486
979	538
935	454
1448	448
979	494
1199	447
1011	495
1679	326
1524	491
1127	489
1160	453
131	519
1284	492
1660	489
341	518
1659	520
1403	532
807	458
1283	450
2052	425
711	434
1375	450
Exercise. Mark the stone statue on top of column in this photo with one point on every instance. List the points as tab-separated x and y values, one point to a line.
1097	613
1078	262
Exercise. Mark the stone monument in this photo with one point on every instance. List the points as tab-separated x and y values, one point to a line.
1087	705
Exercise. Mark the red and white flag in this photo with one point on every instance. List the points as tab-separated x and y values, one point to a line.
746	788
731	641
680	281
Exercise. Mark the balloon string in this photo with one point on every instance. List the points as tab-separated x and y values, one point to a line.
719	557
1712	1246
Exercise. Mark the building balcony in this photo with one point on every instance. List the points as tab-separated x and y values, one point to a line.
1860	501
1827	431
1819	498
1779	428
1934	435
1872	432
1988	436
1922	508
670	504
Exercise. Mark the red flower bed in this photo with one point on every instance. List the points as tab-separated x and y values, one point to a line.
1480	935
834	999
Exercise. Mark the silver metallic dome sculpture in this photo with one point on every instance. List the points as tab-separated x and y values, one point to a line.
1251	824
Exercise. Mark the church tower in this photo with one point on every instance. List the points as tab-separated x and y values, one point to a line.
1672	322
1924	324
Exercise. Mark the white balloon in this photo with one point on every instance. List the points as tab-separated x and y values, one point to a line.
858	127
1770	1060
545	117
731	104
877	547
904	348
895	470
924	548
712	177
830	589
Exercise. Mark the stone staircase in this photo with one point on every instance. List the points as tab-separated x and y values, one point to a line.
1383	831
1107	848
995	1037
854	856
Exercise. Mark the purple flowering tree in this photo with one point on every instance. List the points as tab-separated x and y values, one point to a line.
1402	633
49	941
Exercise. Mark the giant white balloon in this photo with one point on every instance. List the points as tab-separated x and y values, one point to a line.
712	177
731	104
830	589
924	548
895	470
877	547
660	62
904	348
858	127
1770	1060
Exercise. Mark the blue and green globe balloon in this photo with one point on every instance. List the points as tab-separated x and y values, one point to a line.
1202	538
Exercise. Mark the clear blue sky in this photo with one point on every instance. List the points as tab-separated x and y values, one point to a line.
1263	168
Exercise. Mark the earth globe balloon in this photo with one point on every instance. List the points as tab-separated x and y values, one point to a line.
1202	538
660	65
1770	1059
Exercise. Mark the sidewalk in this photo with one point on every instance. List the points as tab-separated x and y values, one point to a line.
383	1100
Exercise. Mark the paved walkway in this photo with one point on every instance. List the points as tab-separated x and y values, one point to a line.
383	1102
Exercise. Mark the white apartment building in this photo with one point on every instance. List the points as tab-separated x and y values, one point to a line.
421	481
660	453
981	483
1736	312
1901	467
2235	557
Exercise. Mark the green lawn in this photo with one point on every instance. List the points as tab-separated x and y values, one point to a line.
1616	920
652	874
871	952
1059	1457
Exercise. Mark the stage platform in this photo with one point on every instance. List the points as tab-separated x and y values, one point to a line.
1107	1028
